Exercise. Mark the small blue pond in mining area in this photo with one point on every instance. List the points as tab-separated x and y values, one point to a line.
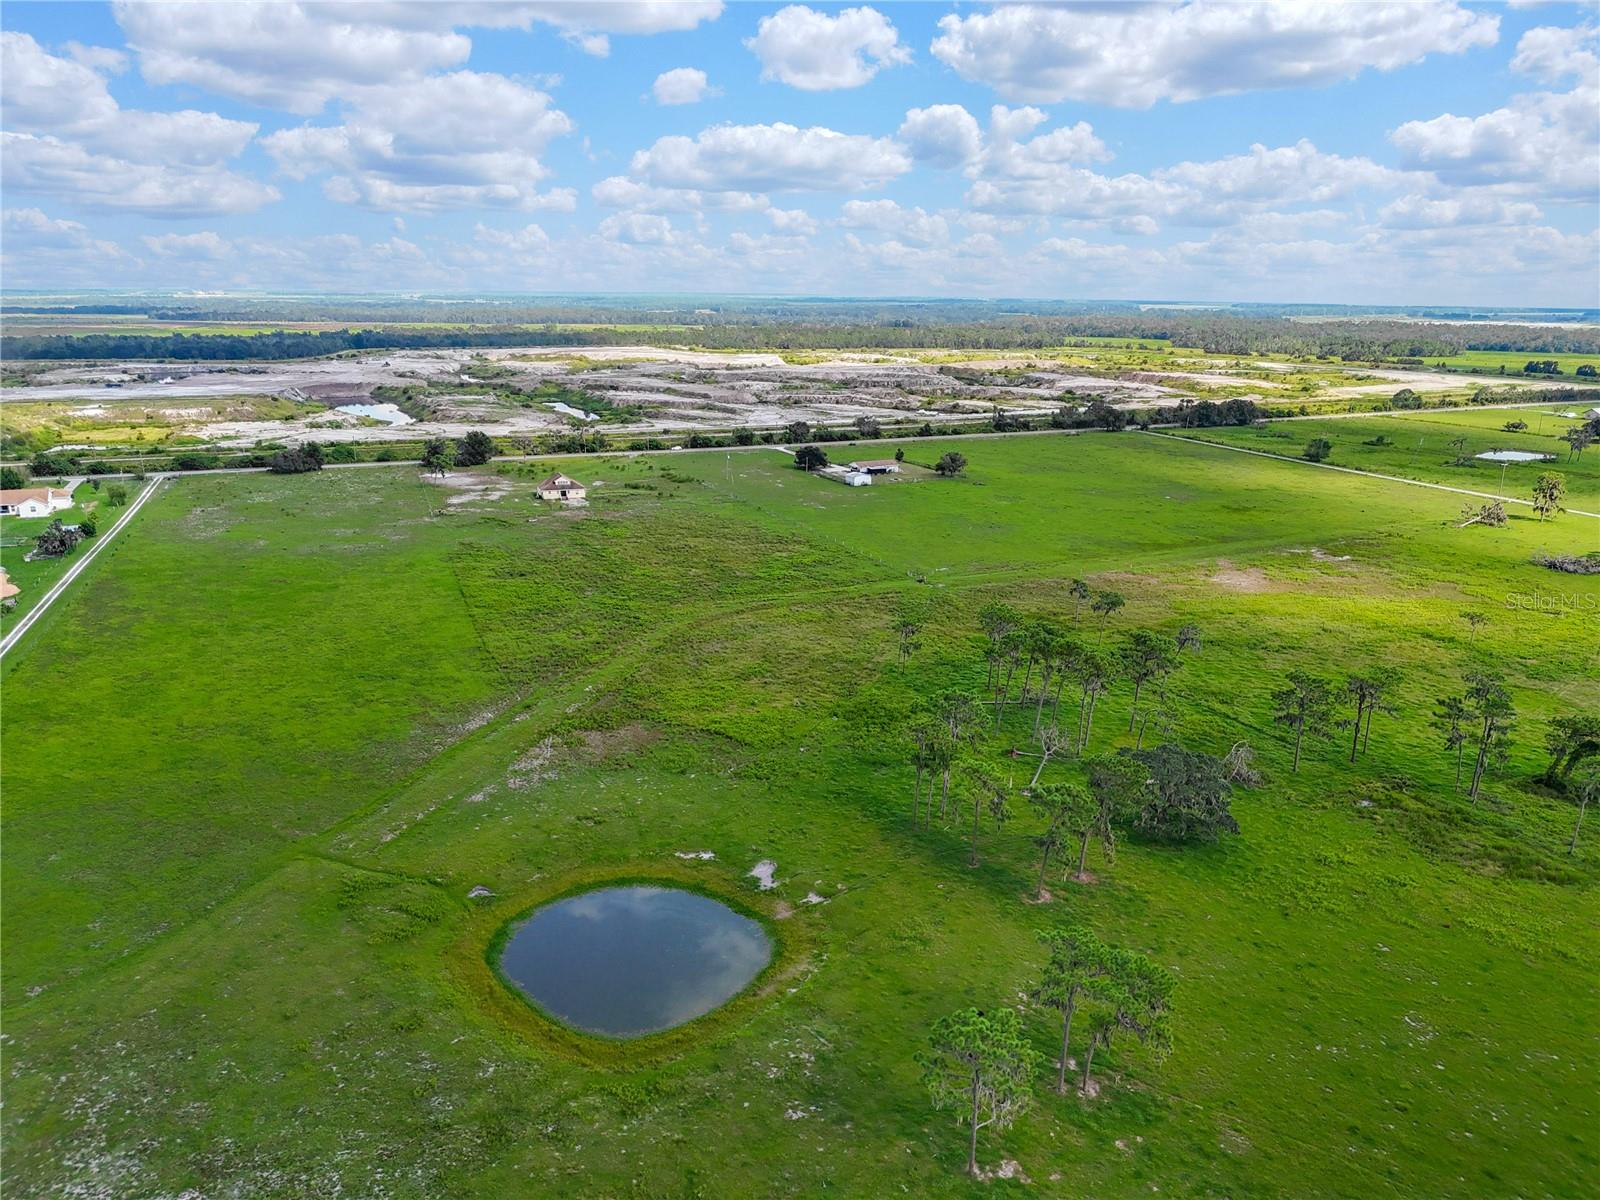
627	961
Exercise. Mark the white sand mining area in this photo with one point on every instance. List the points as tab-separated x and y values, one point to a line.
538	390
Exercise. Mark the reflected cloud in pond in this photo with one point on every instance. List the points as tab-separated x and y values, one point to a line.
628	961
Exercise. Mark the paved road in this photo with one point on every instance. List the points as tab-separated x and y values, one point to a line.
91	550
1438	487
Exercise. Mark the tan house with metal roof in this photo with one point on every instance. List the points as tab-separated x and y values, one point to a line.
561	487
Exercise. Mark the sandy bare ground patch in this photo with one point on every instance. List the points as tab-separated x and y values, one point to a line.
1210	378
470	486
705	358
533	767
1241	579
622	742
763	873
1388	382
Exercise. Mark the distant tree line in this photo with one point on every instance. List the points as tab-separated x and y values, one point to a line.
1217	333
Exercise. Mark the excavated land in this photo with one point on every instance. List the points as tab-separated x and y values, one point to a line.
653	390
641	389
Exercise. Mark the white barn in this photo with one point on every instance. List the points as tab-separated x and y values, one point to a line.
877	466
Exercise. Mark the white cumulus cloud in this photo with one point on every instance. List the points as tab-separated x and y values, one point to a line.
64	126
29	229
1552	54
448	141
53	167
1133	55
681	85
298	55
618	191
207	244
281	53
768	158
817	52
1544	142
1414	211
638	229
795	222
885	216
942	135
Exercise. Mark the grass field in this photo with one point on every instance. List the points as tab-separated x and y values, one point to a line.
1514	360
257	761
1417	446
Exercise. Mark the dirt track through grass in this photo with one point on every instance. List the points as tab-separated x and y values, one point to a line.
1438	487
231	948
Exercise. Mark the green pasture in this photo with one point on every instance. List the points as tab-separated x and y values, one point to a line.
1418	446
1514	360
256	766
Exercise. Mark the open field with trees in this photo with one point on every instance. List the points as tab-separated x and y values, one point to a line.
1441	447
1513	362
347	724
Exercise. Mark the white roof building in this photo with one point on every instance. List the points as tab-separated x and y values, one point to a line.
34	502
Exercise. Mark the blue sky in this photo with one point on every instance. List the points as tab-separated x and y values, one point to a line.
1421	152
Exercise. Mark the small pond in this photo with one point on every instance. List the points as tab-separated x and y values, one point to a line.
389	414
627	961
568	410
1512	456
